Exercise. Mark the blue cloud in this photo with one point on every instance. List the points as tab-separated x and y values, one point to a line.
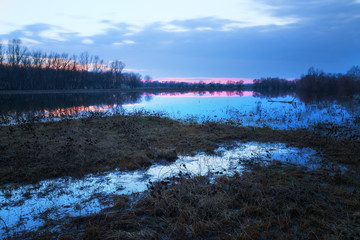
325	37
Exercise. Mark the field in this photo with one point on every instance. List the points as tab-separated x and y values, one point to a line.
264	202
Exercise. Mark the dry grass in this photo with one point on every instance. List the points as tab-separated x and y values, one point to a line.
273	202
34	151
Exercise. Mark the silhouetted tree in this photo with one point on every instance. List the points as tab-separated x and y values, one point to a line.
354	72
147	79
133	80
316	81
22	69
1	52
273	85
116	68
16	52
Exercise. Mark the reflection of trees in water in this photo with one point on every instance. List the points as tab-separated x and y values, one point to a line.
11	103
25	103
148	98
323	100
273	94
320	100
199	93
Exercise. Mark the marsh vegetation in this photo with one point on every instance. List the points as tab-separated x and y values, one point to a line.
279	200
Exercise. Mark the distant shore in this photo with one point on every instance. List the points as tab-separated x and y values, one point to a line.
157	89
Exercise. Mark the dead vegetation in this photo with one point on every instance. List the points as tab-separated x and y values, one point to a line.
30	152
269	203
273	202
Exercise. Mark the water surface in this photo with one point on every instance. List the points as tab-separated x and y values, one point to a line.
246	108
29	206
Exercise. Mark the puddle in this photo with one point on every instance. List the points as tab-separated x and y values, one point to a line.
29	206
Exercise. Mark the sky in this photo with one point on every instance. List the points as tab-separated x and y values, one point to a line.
194	39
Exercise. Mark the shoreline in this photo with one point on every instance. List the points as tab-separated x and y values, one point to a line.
60	91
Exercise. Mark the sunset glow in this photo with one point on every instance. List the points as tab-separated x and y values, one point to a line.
170	41
203	79
77	109
206	94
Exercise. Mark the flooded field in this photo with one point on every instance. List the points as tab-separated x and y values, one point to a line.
224	125
245	108
25	207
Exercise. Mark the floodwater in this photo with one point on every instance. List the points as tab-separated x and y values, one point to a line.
245	108
29	206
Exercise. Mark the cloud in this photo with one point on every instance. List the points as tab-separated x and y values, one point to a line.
218	25
124	42
28	41
6	27
92	18
172	28
203	29
133	70
131	30
54	33
280	22
87	41
275	38
28	33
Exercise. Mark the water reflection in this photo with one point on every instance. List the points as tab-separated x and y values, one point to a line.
28	206
201	94
26	103
246	108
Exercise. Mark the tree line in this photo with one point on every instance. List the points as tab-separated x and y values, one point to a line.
229	85
24	69
275	85
315	81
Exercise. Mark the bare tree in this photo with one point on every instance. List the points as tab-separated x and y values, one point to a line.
64	61
37	59
116	68
97	65
16	52
48	60
133	80
147	79
354	71
84	61
1	53
38	70
74	64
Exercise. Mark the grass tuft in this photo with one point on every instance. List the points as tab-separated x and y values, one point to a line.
274	202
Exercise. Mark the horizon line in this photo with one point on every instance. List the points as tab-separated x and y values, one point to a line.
210	79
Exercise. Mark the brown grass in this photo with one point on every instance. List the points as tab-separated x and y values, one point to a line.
273	202
32	152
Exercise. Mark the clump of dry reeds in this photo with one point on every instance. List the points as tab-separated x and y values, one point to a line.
273	202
